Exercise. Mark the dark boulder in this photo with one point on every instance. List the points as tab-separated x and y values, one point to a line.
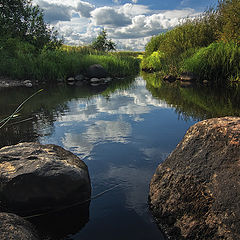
195	193
13	227
36	178
96	71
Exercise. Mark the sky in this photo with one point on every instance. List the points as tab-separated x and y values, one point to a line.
130	24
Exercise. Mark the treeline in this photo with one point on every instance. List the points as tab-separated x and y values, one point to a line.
31	49
207	45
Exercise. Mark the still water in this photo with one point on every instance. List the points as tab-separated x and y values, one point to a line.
122	132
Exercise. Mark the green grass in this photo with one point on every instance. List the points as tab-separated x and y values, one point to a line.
218	62
126	54
21	61
207	45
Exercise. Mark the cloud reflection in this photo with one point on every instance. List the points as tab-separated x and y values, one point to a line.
99	132
129	102
88	117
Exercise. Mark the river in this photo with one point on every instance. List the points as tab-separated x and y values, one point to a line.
122	132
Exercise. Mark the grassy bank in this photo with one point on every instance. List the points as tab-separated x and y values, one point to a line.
22	60
208	45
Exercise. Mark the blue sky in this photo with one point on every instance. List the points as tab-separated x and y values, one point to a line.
130	23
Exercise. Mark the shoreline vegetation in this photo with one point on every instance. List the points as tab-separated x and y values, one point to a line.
21	60
208	46
31	49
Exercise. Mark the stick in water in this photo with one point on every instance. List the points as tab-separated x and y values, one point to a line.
18	109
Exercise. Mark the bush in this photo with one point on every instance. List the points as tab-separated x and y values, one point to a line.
154	62
218	62
229	18
20	60
200	41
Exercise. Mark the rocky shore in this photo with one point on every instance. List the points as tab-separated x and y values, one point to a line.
94	76
7	82
195	192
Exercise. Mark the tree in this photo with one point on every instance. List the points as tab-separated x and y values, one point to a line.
20	19
229	15
101	43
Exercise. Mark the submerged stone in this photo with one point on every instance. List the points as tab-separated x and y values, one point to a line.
95	80
79	77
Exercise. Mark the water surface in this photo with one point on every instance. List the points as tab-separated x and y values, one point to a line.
122	132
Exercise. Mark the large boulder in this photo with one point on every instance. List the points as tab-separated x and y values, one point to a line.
13	227
96	71
195	193
36	178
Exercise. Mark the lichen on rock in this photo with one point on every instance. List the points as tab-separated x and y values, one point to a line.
195	193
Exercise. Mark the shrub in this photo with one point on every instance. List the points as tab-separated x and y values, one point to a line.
155	61
20	60
217	62
229	18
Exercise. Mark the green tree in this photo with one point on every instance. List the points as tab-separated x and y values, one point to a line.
21	19
101	43
229	16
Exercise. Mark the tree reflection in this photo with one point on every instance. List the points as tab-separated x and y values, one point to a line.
196	102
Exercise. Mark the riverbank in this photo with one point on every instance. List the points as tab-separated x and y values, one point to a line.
21	60
8	82
207	46
94	75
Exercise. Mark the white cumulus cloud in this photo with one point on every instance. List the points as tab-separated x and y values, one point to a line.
129	25
55	12
85	9
109	16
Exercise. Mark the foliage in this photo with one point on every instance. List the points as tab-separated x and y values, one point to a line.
101	43
81	49
154	44
218	62
193	33
229	18
21	19
127	54
196	45
154	62
20	60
